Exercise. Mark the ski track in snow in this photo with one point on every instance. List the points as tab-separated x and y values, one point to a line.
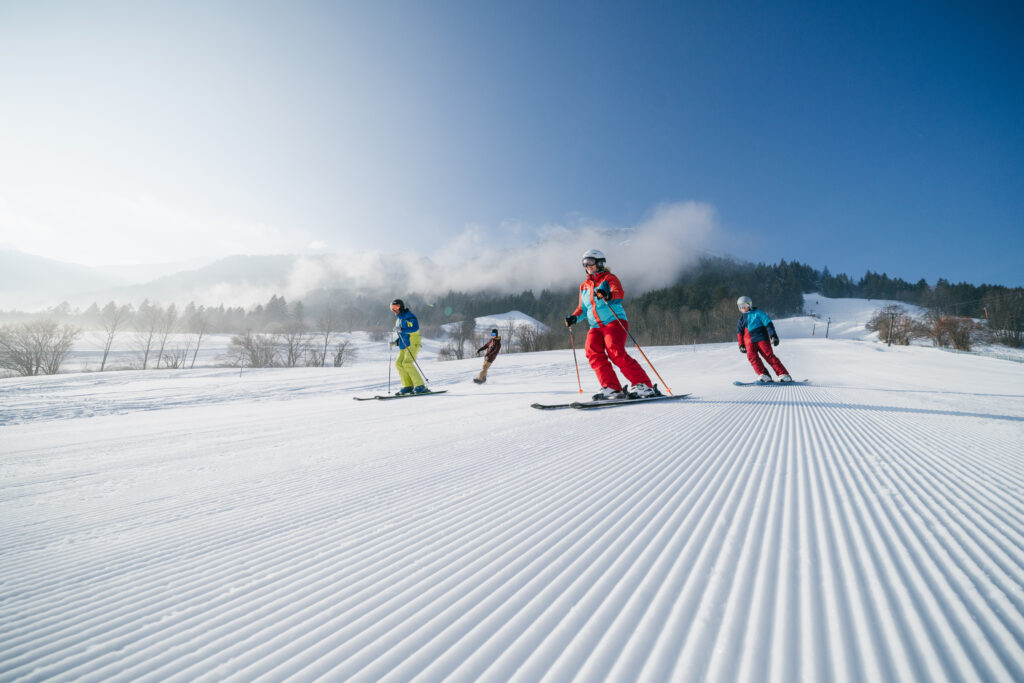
270	528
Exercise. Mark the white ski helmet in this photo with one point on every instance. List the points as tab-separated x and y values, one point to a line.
595	254
744	302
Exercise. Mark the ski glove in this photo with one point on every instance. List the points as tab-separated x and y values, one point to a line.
743	349
603	292
775	340
570	320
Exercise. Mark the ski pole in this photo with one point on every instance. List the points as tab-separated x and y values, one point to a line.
417	364
626	329
572	342
389	367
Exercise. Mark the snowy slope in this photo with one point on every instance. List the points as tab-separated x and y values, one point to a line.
262	525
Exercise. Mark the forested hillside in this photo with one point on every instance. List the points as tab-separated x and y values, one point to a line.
699	307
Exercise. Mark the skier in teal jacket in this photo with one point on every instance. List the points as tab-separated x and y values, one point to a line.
756	336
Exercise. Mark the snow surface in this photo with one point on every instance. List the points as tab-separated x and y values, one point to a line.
230	525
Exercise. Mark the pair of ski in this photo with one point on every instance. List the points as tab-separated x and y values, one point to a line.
609	403
391	396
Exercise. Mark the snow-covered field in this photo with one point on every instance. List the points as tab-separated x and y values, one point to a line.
219	524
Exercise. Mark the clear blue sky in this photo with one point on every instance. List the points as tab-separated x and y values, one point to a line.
884	135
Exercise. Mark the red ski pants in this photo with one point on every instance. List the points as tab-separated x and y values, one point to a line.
764	348
609	342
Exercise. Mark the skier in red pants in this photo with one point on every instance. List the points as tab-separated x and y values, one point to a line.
754	331
601	298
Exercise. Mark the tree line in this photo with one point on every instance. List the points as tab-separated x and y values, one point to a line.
698	307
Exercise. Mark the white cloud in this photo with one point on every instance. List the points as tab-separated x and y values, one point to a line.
646	256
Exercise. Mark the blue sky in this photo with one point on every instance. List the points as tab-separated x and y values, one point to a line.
883	136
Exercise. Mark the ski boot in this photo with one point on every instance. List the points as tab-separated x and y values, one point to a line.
609	394
643	391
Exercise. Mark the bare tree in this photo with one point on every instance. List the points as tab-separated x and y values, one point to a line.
951	330
293	338
166	326
510	336
294	344
455	348
894	325
529	338
328	324
254	350
112	319
176	357
147	322
343	351
199	323
36	348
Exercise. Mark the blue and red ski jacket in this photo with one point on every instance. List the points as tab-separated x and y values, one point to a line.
754	326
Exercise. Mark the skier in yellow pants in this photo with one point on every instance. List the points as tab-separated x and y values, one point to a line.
407	339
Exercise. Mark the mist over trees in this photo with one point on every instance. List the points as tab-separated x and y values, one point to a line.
699	307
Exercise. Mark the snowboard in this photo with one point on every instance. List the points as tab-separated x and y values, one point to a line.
388	398
770	384
590	405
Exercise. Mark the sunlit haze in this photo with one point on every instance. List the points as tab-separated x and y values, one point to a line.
881	136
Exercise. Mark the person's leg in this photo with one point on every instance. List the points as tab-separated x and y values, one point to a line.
482	377
769	355
755	360
406	365
615	342
598	358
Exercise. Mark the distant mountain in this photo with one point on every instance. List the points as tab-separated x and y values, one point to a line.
31	283
137	273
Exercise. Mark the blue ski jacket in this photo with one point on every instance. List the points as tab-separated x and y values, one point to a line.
757	325
406	325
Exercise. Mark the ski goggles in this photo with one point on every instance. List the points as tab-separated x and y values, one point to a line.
395	307
589	262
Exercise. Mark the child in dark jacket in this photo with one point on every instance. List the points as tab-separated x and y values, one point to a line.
493	346
756	336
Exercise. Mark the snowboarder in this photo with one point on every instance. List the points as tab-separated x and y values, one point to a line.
756	335
492	347
601	299
407	339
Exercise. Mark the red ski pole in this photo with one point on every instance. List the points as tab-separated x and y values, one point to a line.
626	329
